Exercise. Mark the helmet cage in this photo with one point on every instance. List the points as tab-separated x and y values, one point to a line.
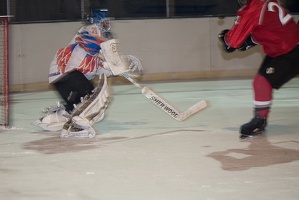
100	17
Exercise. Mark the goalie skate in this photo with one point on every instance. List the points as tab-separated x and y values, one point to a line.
89	111
54	118
79	128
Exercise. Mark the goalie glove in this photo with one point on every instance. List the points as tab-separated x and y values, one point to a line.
249	43
112	56
134	66
221	38
118	63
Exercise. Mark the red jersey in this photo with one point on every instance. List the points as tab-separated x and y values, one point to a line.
269	24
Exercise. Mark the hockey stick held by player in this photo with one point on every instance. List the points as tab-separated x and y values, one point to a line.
269	24
127	66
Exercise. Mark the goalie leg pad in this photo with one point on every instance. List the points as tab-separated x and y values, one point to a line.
55	118
89	111
92	108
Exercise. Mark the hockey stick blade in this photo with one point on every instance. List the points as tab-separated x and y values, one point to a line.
170	110
166	107
192	110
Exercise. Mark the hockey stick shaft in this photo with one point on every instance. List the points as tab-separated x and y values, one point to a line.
165	106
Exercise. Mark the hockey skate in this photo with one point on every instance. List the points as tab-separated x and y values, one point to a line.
78	128
253	128
54	118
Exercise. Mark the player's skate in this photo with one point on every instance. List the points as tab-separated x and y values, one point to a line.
54	118
79	128
89	111
253	128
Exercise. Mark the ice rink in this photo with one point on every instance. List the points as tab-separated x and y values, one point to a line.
141	153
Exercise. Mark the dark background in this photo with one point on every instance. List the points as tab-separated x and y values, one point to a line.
30	11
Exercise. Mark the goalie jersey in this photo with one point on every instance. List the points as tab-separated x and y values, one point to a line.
81	54
269	25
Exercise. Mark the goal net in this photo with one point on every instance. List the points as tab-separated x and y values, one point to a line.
3	71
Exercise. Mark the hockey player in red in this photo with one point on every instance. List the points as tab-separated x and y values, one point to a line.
269	24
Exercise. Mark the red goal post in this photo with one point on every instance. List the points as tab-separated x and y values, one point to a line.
4	85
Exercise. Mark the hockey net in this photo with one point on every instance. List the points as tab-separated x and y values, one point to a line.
3	72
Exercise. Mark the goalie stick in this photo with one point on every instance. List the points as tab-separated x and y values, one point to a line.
166	107
119	67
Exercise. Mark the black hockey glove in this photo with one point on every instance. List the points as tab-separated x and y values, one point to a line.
249	43
221	38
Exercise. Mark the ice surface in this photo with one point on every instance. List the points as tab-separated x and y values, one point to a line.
141	153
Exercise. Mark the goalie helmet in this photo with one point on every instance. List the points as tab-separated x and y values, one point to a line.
100	17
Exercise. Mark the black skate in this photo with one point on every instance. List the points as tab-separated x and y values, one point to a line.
253	128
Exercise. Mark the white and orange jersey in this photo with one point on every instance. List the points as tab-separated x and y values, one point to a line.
269	24
81	54
90	29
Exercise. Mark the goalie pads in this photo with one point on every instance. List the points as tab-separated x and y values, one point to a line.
54	118
92	107
89	111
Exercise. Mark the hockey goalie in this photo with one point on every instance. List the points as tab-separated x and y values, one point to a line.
73	72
